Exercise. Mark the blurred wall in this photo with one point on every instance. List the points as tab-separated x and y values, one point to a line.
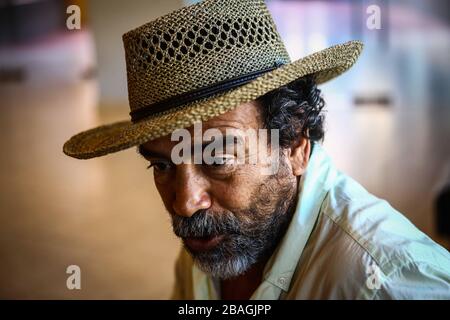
110	19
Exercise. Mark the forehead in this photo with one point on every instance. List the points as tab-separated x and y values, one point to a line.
245	116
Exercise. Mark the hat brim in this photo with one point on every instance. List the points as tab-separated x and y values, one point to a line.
324	65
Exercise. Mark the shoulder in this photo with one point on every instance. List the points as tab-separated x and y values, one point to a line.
361	247
383	232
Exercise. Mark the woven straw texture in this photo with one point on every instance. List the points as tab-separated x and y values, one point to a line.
195	47
199	45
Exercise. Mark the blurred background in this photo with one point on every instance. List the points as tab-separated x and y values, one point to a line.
388	126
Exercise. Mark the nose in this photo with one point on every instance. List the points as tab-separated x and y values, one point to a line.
190	192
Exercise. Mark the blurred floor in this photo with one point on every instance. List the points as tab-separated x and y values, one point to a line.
103	215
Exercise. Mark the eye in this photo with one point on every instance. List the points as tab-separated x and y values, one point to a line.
160	165
219	161
222	161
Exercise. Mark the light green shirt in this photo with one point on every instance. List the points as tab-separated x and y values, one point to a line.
342	243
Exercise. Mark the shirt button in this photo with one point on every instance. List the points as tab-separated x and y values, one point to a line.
282	280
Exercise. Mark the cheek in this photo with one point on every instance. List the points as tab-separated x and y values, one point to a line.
167	195
236	192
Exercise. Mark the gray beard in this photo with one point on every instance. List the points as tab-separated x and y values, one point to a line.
244	244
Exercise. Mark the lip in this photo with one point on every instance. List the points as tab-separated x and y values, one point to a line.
203	243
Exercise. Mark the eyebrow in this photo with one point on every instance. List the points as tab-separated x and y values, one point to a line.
226	140
147	154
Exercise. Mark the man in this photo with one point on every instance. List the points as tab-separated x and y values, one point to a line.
207	84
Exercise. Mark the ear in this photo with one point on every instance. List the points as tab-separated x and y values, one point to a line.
299	156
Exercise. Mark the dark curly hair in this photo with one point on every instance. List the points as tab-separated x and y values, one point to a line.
296	110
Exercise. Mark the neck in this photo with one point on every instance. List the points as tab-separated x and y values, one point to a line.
243	286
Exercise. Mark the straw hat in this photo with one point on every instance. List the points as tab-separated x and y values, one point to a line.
199	62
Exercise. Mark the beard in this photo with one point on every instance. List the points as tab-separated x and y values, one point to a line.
249	235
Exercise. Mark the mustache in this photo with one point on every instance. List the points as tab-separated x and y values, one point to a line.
205	223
